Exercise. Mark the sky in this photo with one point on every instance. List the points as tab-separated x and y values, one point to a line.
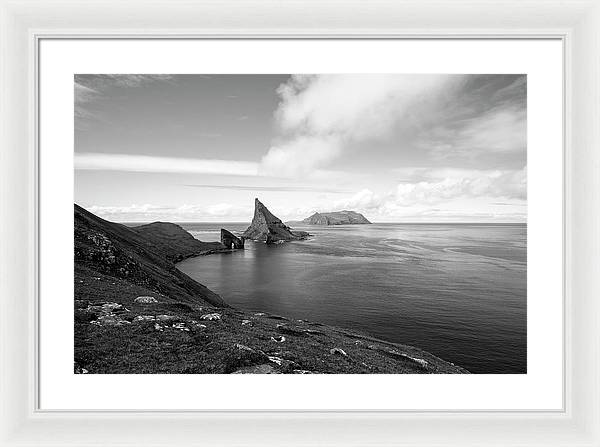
394	147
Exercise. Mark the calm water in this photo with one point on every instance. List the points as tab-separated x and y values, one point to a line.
455	290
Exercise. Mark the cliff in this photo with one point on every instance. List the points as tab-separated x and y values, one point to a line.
141	255
135	313
336	218
266	227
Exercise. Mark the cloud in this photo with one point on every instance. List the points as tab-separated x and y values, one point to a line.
97	161
500	130
364	199
435	185
300	155
280	188
498	184
91	87
146	163
228	210
488	117
442	186
358	106
318	115
182	213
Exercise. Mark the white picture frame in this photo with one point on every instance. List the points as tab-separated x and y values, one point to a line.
24	23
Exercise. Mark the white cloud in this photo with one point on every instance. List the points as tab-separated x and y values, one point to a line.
364	199
442	186
300	155
146	163
96	161
320	114
229	210
355	106
435	185
182	213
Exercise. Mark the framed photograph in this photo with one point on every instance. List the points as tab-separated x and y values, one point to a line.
335	224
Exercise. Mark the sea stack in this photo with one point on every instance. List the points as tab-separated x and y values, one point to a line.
266	227
230	240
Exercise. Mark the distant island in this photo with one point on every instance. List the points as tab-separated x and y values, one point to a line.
344	217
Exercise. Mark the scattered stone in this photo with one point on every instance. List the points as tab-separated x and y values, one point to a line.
180	326
244	347
338	351
158	327
110	320
421	362
165	317
211	317
313	332
394	353
260	314
246	323
277	360
257	369
146	300
278	339
303	371
198	325
79	370
144	318
104	308
286	329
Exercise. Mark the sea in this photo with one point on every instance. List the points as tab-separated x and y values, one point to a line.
458	291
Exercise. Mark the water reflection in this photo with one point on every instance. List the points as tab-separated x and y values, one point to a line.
458	291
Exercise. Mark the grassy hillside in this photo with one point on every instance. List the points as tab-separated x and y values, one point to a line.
136	313
136	255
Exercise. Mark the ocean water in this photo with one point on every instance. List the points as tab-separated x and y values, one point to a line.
456	290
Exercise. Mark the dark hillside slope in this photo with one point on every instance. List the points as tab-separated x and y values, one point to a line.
135	256
174	242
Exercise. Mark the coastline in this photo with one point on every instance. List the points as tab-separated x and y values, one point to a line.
183	327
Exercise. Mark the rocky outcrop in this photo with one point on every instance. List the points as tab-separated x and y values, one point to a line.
336	218
230	240
266	227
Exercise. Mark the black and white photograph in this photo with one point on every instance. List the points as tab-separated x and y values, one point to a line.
300	223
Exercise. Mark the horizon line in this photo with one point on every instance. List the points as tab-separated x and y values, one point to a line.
298	221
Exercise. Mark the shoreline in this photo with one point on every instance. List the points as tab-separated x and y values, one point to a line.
136	312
